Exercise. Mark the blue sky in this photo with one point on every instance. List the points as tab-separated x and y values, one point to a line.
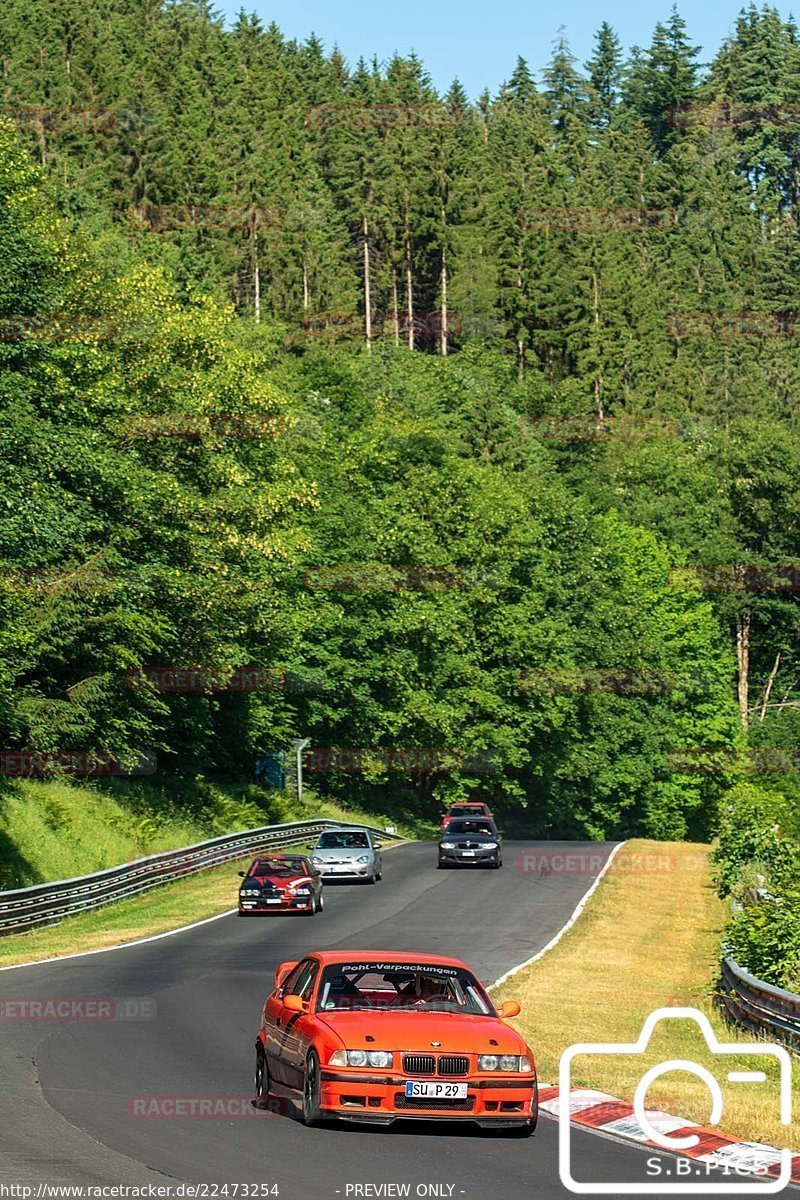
480	42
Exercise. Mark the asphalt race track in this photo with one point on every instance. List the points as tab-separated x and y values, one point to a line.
67	1088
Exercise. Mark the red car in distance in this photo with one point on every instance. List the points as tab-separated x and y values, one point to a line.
467	808
280	883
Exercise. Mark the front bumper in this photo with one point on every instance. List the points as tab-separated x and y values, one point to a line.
510	1101
356	871
461	857
257	904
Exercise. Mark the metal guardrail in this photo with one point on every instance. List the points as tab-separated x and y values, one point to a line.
767	1010
45	903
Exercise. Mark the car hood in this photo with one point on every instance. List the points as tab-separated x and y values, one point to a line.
275	880
331	855
414	1032
478	838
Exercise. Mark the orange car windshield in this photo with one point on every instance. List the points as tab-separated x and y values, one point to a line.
402	987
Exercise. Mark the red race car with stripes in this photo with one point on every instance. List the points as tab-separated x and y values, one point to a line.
280	883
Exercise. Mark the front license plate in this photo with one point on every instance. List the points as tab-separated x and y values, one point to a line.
273	902
436	1091
468	853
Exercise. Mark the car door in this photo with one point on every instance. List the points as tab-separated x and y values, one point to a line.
274	1022
296	1026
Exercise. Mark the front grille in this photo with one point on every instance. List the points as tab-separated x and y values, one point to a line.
453	1064
401	1100
419	1064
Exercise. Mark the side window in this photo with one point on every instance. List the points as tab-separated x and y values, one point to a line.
302	982
305	987
288	984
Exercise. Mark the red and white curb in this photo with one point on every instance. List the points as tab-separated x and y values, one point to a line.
596	1110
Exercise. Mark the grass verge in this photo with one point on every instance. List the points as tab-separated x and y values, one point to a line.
58	828
647	939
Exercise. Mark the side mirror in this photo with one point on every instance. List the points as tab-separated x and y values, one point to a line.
378	845
295	1004
242	874
509	1008
310	847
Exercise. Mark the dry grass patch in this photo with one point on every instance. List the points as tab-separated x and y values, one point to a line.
647	939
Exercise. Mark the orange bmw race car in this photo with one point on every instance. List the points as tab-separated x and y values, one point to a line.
376	1035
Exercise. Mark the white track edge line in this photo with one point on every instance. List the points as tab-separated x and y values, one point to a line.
155	937
564	928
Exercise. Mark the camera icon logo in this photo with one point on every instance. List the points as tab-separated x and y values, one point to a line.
662	1139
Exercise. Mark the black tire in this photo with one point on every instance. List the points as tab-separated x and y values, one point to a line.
261	1081
371	879
312	1113
321	902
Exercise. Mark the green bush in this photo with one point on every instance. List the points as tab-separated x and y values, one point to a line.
765	940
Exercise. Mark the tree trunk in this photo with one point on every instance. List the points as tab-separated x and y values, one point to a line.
768	688
395	309
256	275
367	294
598	383
409	290
444	302
305	285
743	661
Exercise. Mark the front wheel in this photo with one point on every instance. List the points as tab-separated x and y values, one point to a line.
320	902
312	1113
261	1083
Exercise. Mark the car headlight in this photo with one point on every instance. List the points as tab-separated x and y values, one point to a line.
316	860
250	891
363	858
490	845
505	1062
361	1058
301	889
448	845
